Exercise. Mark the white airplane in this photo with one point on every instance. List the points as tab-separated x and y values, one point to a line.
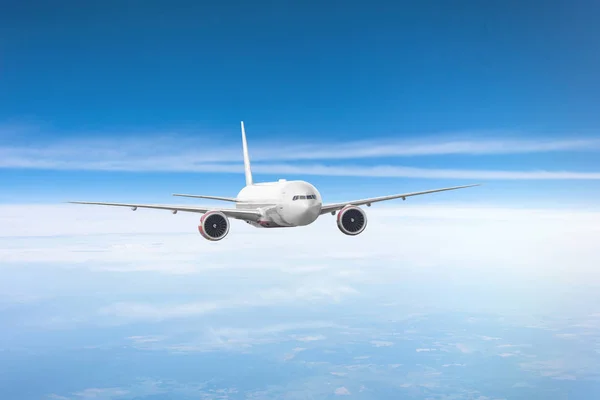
274	205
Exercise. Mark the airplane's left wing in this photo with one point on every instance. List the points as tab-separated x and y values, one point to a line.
327	208
247	215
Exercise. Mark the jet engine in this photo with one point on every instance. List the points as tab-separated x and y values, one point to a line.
214	225
351	220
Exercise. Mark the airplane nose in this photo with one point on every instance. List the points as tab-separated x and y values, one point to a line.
312	210
306	212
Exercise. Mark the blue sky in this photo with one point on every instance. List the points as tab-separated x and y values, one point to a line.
93	95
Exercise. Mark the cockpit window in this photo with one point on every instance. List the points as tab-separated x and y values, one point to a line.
305	197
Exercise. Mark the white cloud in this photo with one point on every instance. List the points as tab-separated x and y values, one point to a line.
144	339
488	338
381	171
313	338
101	393
339	373
489	250
393	171
381	343
173	154
173	145
153	312
293	353
342	391
468	236
143	388
567	335
463	348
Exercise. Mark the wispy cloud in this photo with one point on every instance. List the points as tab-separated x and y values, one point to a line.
207	148
392	171
312	338
142	388
152	312
173	154
101	393
381	171
381	343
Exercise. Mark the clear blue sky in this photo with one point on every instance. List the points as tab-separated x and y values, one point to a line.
298	72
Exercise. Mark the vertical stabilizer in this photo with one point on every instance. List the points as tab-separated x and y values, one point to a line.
247	169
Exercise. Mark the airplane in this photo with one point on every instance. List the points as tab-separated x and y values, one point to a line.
280	204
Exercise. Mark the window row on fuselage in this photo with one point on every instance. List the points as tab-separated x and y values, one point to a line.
305	197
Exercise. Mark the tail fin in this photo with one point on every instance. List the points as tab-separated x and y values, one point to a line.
247	169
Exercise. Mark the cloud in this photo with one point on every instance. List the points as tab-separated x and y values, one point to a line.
513	345
313	338
145	339
142	388
293	353
381	343
392	171
575	366
109	146
153	266
463	348
154	312
342	391
101	393
567	335
240	339
378	171
488	338
171	153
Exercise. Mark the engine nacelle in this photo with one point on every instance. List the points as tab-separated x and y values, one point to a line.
351	220
214	225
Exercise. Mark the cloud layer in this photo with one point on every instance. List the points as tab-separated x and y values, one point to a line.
419	254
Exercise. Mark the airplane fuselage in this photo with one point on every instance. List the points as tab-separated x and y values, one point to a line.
283	203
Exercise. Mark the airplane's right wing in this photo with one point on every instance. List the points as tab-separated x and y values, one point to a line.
246	215
338	206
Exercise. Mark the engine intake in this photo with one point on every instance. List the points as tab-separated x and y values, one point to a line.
351	220
214	225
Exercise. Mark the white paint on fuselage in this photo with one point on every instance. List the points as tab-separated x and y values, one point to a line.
276	201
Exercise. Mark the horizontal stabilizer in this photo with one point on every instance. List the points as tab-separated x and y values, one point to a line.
198	196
